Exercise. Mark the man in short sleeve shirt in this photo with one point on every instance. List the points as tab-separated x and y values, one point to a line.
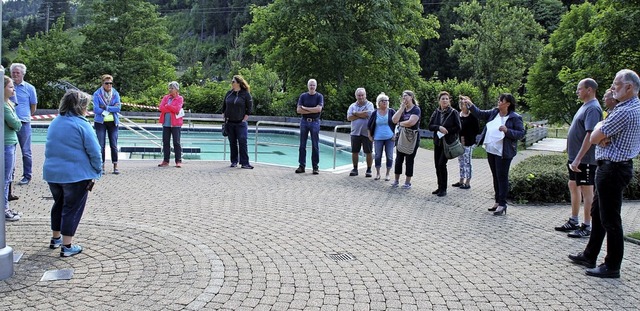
582	160
310	106
26	101
618	142
359	113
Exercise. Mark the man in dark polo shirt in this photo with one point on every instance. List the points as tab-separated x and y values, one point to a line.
618	142
310	106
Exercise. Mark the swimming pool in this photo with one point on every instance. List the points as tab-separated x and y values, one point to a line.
275	146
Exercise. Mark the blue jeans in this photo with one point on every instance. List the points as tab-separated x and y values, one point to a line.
305	128
101	130
9	161
24	138
500	173
69	201
611	180
387	145
167	133
237	135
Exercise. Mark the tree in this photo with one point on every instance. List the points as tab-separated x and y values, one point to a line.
550	94
498	43
49	57
128	40
343	44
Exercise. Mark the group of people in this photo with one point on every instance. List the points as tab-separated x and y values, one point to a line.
600	167
600	151
20	98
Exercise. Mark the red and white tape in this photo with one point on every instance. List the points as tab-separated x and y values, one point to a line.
141	106
51	116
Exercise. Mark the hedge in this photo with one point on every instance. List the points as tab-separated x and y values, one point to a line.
543	179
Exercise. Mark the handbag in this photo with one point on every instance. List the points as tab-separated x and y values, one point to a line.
407	140
224	129
109	118
454	149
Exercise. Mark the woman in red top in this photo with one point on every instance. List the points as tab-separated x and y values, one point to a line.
170	106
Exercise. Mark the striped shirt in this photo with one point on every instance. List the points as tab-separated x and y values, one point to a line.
622	126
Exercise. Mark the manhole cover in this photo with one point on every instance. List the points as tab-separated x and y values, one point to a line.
340	256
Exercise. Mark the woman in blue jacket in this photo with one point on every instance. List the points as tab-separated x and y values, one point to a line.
500	137
72	161
106	105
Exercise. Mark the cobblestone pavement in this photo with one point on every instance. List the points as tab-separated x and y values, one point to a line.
209	237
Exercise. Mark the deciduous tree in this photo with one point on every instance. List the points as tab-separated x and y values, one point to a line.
343	44
498	43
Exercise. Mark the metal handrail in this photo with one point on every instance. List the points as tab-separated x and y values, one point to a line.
335	142
255	146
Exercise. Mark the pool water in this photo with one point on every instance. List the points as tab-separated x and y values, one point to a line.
280	148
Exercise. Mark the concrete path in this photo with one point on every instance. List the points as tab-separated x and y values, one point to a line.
209	237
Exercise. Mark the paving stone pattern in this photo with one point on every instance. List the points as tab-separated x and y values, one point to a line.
210	237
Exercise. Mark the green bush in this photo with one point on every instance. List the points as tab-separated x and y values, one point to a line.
543	178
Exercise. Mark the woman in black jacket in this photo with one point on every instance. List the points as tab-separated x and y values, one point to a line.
470	128
445	125
236	109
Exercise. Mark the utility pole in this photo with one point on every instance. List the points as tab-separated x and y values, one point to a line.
6	252
46	27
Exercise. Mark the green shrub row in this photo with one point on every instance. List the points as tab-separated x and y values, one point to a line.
543	178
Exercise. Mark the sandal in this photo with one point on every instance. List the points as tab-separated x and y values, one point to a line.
377	177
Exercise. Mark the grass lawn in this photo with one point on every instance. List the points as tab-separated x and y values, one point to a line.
635	235
478	152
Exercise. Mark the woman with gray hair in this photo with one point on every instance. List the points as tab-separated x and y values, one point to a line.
381	133
170	106
72	161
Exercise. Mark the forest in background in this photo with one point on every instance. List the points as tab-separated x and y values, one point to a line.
537	50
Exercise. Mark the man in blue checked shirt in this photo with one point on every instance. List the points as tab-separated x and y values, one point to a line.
618	142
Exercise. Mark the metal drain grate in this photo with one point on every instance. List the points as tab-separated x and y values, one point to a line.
340	256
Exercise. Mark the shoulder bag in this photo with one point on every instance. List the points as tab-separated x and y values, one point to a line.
407	140
454	149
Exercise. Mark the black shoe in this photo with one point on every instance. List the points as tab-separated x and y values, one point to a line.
493	209
354	172
465	186
435	191
442	193
300	169
568	226
458	184
500	211
581	259
602	271
13	197
368	173
316	171
247	166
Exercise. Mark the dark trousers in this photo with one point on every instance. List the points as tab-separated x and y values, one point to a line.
307	127
500	172
69	201
167	133
104	129
400	157
237	135
441	165
611	180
